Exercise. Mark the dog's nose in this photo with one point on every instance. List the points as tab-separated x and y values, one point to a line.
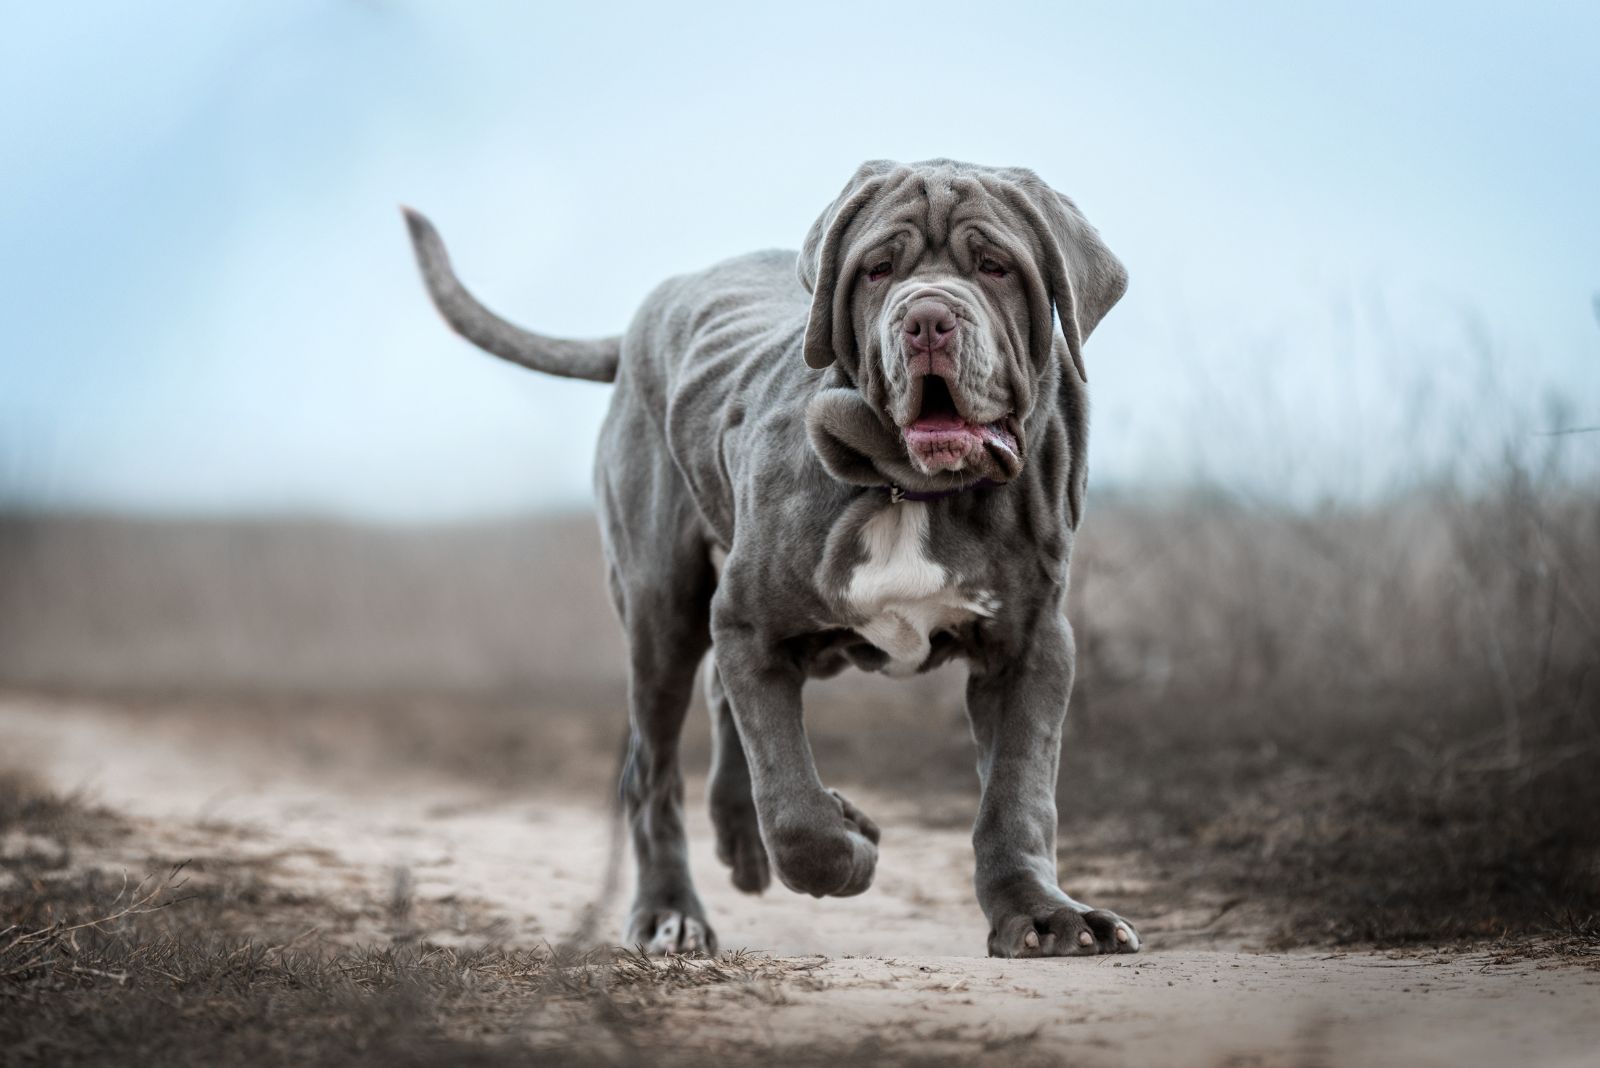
928	325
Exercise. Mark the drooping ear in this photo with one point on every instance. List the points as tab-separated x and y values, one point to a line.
1085	279
819	265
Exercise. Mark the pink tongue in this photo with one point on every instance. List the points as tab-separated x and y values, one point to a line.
942	421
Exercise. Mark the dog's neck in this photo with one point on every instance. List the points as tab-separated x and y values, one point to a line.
900	495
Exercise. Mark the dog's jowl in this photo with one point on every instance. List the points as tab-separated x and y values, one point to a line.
882	439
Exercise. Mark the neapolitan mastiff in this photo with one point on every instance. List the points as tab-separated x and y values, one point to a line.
886	438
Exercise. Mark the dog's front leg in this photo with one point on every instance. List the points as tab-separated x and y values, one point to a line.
1018	706
819	843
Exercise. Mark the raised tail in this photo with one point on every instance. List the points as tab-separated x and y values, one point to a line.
594	360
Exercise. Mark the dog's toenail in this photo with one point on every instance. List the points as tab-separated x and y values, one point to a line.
1085	938
1122	934
1031	940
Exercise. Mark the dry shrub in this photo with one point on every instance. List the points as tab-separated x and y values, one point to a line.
1383	720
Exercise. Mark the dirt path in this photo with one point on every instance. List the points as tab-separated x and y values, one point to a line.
889	966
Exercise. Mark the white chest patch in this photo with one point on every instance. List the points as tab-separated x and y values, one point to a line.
903	595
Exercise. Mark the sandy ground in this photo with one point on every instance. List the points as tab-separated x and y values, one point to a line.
896	965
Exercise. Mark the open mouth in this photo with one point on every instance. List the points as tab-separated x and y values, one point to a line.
940	438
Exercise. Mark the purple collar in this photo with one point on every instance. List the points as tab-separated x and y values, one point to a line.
898	495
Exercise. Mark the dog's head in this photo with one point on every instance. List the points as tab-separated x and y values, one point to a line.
935	286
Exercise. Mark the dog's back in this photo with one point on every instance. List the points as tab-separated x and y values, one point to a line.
713	357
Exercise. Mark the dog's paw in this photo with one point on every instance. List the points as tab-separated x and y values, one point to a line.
1063	932
831	853
857	820
671	933
739	845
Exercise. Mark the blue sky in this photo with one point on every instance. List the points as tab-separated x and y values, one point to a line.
1362	239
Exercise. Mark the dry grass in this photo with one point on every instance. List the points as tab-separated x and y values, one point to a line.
298	608
1384	718
96	971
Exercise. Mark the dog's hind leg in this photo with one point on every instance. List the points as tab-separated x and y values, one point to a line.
733	808
662	582
666	639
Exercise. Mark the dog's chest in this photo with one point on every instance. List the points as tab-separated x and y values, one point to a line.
900	596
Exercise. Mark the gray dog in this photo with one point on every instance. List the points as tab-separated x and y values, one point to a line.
883	446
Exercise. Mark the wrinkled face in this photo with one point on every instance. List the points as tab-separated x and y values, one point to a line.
940	310
936	287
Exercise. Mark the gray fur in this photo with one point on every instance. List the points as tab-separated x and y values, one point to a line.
595	360
766	420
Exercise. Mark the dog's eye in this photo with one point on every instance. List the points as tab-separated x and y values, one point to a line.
992	268
880	270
